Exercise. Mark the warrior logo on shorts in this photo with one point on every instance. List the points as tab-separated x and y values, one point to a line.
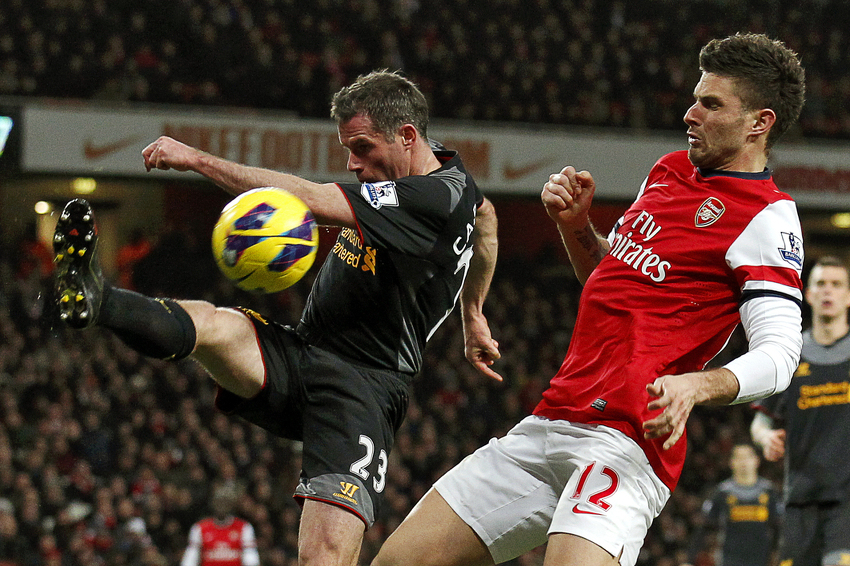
347	492
709	212
792	252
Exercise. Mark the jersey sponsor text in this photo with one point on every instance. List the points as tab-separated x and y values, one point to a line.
823	394
637	256
748	513
354	257
222	553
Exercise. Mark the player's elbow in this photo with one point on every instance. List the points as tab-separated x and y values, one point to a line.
786	358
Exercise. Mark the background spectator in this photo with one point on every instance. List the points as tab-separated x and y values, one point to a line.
222	538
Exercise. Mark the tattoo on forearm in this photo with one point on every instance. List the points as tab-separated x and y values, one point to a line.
588	240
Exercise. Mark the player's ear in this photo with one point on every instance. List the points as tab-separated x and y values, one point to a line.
763	120
409	134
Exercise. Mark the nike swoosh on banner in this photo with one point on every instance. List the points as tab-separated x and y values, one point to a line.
92	151
580	512
510	172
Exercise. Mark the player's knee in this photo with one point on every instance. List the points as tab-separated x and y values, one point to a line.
218	328
328	536
327	552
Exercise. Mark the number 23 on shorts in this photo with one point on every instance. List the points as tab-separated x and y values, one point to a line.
358	467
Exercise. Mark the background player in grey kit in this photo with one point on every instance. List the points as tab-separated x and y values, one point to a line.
744	512
809	425
340	380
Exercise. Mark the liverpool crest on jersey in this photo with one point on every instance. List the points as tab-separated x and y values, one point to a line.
709	212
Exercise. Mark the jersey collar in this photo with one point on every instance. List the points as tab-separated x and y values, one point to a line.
760	176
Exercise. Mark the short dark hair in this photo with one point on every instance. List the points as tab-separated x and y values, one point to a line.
830	261
387	98
767	73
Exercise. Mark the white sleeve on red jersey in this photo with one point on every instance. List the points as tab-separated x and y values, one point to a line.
767	258
250	556
774	330
192	555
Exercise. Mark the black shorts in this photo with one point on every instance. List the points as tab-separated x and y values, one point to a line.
345	413
816	534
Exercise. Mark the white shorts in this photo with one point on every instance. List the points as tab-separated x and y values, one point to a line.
550	476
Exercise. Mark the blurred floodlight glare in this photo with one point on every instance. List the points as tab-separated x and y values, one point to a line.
84	185
840	220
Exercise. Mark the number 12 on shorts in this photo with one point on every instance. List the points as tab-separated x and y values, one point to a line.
359	467
596	504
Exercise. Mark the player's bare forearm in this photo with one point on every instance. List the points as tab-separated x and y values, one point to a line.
480	348
585	247
236	178
485	248
567	197
326	201
715	387
676	395
167	153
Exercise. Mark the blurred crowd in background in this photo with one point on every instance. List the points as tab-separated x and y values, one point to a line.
107	458
578	62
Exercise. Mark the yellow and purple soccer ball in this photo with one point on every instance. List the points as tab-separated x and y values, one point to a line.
265	240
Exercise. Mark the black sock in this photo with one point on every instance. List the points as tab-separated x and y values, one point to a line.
157	328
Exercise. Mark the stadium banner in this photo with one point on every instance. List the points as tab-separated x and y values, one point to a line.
93	140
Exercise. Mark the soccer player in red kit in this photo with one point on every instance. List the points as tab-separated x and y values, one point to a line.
709	243
222	539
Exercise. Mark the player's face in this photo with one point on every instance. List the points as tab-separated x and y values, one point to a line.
370	156
718	125
828	291
744	460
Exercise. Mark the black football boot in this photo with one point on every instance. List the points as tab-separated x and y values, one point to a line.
78	279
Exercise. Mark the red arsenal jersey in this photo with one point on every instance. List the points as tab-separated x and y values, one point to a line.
219	544
665	298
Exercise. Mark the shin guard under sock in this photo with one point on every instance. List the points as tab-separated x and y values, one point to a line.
157	328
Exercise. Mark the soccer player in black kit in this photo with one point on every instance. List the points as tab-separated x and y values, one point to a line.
744	511
424	236
809	424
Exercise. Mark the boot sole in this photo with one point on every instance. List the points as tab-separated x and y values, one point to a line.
74	244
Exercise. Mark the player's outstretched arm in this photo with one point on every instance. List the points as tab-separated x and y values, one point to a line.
567	197
772	325
480	348
326	201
